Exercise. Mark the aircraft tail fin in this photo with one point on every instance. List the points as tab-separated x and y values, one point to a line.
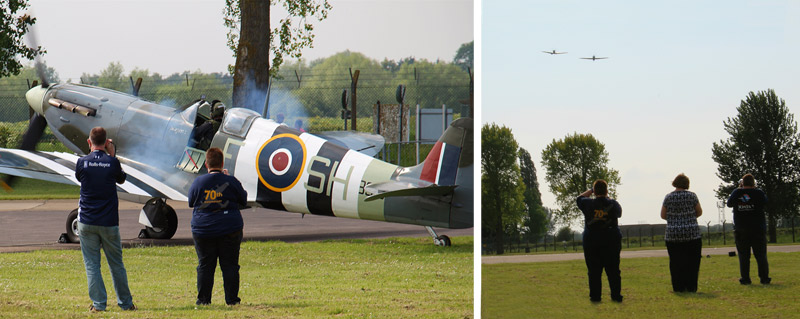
453	150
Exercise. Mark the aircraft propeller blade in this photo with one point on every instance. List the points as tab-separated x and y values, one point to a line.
34	132
33	42
30	138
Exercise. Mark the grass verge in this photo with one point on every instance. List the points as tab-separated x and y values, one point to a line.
28	188
560	290
380	278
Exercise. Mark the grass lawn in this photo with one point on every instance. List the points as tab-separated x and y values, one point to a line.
380	278
28	188
560	290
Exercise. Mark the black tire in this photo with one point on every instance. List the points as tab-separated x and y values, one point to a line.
169	231
72	227
444	241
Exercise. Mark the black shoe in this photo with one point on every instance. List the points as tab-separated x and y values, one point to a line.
233	303
202	303
766	281
745	281
617	298
594	299
132	308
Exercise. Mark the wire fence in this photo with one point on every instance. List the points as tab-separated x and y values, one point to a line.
633	237
313	99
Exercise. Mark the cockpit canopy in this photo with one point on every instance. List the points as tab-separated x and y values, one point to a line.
237	121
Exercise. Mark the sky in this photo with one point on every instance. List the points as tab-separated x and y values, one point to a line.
169	36
676	70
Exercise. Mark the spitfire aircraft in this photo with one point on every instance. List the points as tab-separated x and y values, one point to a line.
593	58
554	52
280	167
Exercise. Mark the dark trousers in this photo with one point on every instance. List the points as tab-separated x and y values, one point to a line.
599	256
745	240
208	249
684	264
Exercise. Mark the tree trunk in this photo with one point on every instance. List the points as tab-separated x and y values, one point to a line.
499	232
251	72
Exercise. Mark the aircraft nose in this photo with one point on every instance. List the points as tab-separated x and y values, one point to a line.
35	97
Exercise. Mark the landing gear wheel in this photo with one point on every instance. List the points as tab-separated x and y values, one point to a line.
164	232
443	241
72	227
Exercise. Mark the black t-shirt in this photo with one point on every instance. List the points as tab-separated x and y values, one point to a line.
748	209
600	216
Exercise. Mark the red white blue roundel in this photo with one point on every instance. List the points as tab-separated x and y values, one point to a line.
280	162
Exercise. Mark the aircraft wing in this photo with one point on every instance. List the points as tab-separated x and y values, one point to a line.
400	188
60	168
366	143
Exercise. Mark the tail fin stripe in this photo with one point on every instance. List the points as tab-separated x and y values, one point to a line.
431	166
448	164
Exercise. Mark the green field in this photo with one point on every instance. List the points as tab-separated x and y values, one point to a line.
560	290
27	188
378	278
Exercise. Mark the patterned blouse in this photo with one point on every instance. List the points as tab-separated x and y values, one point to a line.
681	217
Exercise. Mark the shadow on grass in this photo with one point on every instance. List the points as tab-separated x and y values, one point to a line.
696	295
249	306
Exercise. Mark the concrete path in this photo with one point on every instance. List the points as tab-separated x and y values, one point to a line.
36	224
625	254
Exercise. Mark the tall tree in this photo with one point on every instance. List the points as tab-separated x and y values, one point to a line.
464	56
536	221
13	26
113	77
501	184
255	41
763	141
572	164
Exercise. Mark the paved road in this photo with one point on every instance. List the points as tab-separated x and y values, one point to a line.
624	254
29	225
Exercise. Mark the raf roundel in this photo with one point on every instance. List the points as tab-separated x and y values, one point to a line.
280	162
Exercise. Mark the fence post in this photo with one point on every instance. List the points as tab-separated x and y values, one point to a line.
545	242
353	95
724	240
652	237
628	237
554	243
708	232
640	237
573	242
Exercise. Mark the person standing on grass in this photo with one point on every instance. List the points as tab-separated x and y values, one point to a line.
750	228
602	239
217	228
684	243
98	220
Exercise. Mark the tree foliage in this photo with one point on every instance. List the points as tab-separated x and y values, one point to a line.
763	141
464	56
502	188
572	164
293	33
13	26
536	219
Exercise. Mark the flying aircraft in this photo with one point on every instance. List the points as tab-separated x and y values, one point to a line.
593	58
554	52
280	167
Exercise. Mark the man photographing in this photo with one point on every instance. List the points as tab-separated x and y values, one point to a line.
98	219
217	228
750	228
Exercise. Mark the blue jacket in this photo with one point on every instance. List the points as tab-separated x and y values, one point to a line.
216	199
99	173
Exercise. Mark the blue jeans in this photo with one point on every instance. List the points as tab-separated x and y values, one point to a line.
92	239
